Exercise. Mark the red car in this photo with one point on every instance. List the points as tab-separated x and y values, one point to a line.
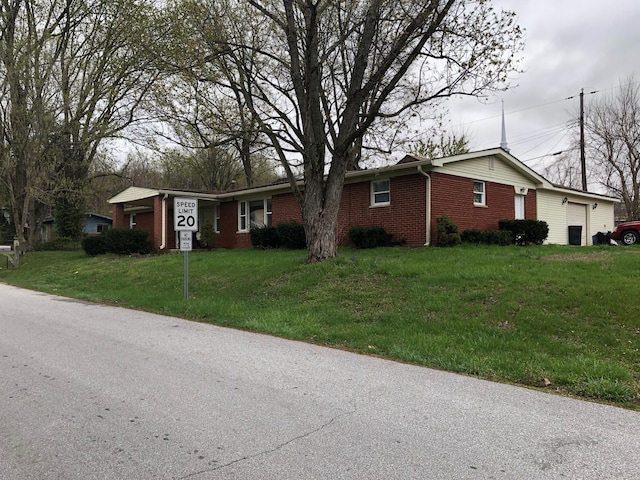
627	233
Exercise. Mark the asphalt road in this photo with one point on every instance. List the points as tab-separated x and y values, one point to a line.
96	392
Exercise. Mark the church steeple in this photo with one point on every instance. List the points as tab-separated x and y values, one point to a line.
503	141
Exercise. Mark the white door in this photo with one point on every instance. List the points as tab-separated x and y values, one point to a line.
577	216
519	199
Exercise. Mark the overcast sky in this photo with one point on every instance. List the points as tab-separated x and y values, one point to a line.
570	45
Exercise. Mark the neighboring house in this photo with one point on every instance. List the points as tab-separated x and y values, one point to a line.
94	224
475	190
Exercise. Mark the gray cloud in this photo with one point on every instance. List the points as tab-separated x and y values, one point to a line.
571	44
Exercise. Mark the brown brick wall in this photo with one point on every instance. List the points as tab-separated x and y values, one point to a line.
228	225
404	217
453	196
285	208
530	205
118	220
156	234
145	221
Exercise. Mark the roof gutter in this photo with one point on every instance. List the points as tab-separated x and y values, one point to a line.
427	205
164	221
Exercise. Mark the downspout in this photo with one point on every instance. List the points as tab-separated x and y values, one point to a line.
164	221
428	205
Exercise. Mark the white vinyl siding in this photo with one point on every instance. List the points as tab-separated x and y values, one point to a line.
479	169
577	216
551	209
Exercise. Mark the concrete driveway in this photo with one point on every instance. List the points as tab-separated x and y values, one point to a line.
96	392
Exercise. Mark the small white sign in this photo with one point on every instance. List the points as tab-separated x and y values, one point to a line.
185	241
185	214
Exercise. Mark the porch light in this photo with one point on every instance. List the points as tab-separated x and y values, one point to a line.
565	200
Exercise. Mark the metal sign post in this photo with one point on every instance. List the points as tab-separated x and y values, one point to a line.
185	221
186	275
186	247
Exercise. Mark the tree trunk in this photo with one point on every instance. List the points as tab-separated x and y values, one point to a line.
321	239
321	204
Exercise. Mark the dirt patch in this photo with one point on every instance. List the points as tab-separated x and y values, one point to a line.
577	257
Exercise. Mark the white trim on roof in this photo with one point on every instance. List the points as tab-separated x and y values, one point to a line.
133	194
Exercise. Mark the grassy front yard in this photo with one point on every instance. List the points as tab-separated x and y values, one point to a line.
560	318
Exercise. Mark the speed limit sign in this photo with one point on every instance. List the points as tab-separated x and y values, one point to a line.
185	214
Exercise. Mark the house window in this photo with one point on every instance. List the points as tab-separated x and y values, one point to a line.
242	216
216	218
380	192
132	220
102	227
254	213
479	193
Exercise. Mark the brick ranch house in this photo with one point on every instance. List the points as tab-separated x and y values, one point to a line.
475	190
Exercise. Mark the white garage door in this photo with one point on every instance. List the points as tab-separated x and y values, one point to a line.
577	216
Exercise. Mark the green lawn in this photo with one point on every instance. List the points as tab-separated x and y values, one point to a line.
560	318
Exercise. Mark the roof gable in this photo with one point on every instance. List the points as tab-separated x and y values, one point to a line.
505	158
132	194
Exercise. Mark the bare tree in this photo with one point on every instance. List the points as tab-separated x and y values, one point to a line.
612	126
565	170
321	74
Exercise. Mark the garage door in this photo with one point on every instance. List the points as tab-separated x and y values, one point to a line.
577	216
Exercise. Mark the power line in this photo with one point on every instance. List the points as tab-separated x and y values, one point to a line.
555	154
512	112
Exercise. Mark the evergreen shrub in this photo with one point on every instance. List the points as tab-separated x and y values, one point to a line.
59	244
525	232
292	235
371	237
208	235
264	237
126	241
448	234
94	245
486	237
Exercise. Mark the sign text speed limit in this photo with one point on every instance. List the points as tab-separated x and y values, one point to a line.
185	214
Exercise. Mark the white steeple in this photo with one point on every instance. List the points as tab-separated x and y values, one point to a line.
503	141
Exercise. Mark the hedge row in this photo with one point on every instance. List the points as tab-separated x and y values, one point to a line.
287	235
526	232
487	237
520	232
121	241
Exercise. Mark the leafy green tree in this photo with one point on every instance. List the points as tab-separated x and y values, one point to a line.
198	106
445	146
73	74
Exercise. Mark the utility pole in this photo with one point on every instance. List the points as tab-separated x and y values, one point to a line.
583	162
